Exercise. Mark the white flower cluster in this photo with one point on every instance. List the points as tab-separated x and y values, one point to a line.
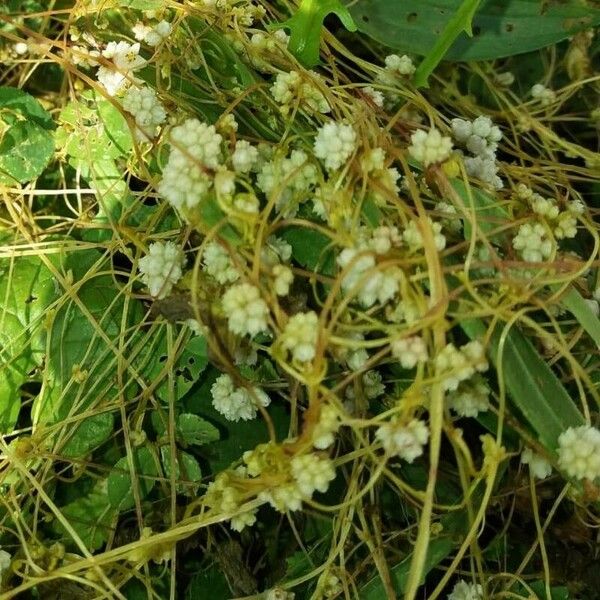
563	223
217	263
124	60
293	87
153	36
147	110
470	397
324	432
283	279
334	144
236	403
375	96
364	279
480	137
195	150
544	94
579	452
403	440
290	481
533	243
466	591
414	240
396	69
161	268
538	465
245	310
244	156
300	336
459	364
409	351
430	147
224	497
290	178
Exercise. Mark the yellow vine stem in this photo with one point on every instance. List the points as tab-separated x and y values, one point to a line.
439	298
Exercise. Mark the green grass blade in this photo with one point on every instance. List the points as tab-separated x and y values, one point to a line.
574	302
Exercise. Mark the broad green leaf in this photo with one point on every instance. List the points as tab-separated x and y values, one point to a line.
141	4
438	550
499	28
121	482
15	104
187	470
27	289
310	248
81	373
91	516
574	302
306	24
186	370
533	387
461	21
195	431
25	151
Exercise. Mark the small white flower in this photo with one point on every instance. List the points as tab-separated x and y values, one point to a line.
532	242
195	149
404	440
243	520
504	79
409	351
579	452
396	69
283	497
430	147
244	156
384	238
283	279
158	33
538	465
470	398
224	183
334	144
566	226
414	240
324	432
125	60
312	473
374	95
217	263
292	87
246	311
161	268
456	365
236	403
146	109
300	336
544	94
466	591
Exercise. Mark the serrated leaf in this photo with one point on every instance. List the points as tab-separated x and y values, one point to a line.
533	387
91	516
15	103
187	470
120	480
499	28
195	431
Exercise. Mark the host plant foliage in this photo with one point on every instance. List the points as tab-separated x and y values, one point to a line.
278	322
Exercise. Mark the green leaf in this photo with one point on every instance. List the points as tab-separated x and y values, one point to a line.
461	21
186	370
141	4
306	24
195	431
27	289
499	28
574	302
91	433
15	103
25	151
533	387
310	248
120	481
90	516
214	580
187	470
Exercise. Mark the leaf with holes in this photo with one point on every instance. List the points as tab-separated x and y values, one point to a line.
499	28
